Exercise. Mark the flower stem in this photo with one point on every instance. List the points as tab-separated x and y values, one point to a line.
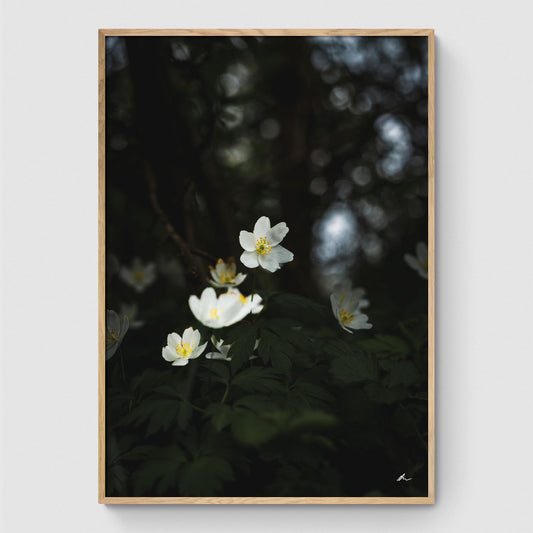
225	394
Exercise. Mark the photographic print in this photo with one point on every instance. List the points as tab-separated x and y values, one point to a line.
266	210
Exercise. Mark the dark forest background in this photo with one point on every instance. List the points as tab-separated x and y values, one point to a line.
205	135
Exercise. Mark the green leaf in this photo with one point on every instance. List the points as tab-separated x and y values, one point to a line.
385	344
204	476
159	474
219	369
354	369
241	350
221	415
384	395
312	420
252	429
403	373
275	350
259	379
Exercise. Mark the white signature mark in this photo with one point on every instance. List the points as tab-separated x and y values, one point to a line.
403	478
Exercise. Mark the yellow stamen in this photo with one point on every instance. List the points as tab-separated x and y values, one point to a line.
345	316
138	276
184	349
262	246
213	313
227	277
111	336
242	299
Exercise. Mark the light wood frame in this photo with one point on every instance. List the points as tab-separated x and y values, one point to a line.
430	34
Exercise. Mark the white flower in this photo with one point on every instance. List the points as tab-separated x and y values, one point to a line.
420	262
179	350
254	304
225	310
346	307
262	248
139	276
225	274
115	329
130	311
223	349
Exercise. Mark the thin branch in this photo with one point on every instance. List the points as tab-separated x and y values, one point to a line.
186	250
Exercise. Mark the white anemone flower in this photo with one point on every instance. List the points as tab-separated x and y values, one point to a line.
225	274
179	350
139	276
254	303
420	262
346	307
224	310
262	247
115	329
130	311
223	349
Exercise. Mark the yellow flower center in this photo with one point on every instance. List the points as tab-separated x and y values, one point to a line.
227	277
213	313
111	336
345	316
262	246
138	276
184	349
242	299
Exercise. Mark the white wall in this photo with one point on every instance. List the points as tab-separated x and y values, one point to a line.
49	265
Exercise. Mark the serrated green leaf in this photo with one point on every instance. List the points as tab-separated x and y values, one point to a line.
259	379
241	350
220	414
159	474
403	373
252	429
354	369
204	476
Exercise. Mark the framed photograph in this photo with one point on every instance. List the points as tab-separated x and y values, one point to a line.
266	266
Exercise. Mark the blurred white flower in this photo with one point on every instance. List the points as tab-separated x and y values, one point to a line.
346	307
225	274
179	350
227	309
254	304
223	349
115	329
262	247
130	311
139	276
420	262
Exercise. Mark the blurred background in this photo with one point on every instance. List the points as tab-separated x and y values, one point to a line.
207	134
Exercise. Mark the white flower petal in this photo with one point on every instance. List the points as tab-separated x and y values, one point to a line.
182	361
281	255
262	226
197	351
169	354
239	278
110	350
268	262
112	320
188	336
249	259
216	355
247	240
173	339
334	299
195	306
208	299
277	233
422	251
